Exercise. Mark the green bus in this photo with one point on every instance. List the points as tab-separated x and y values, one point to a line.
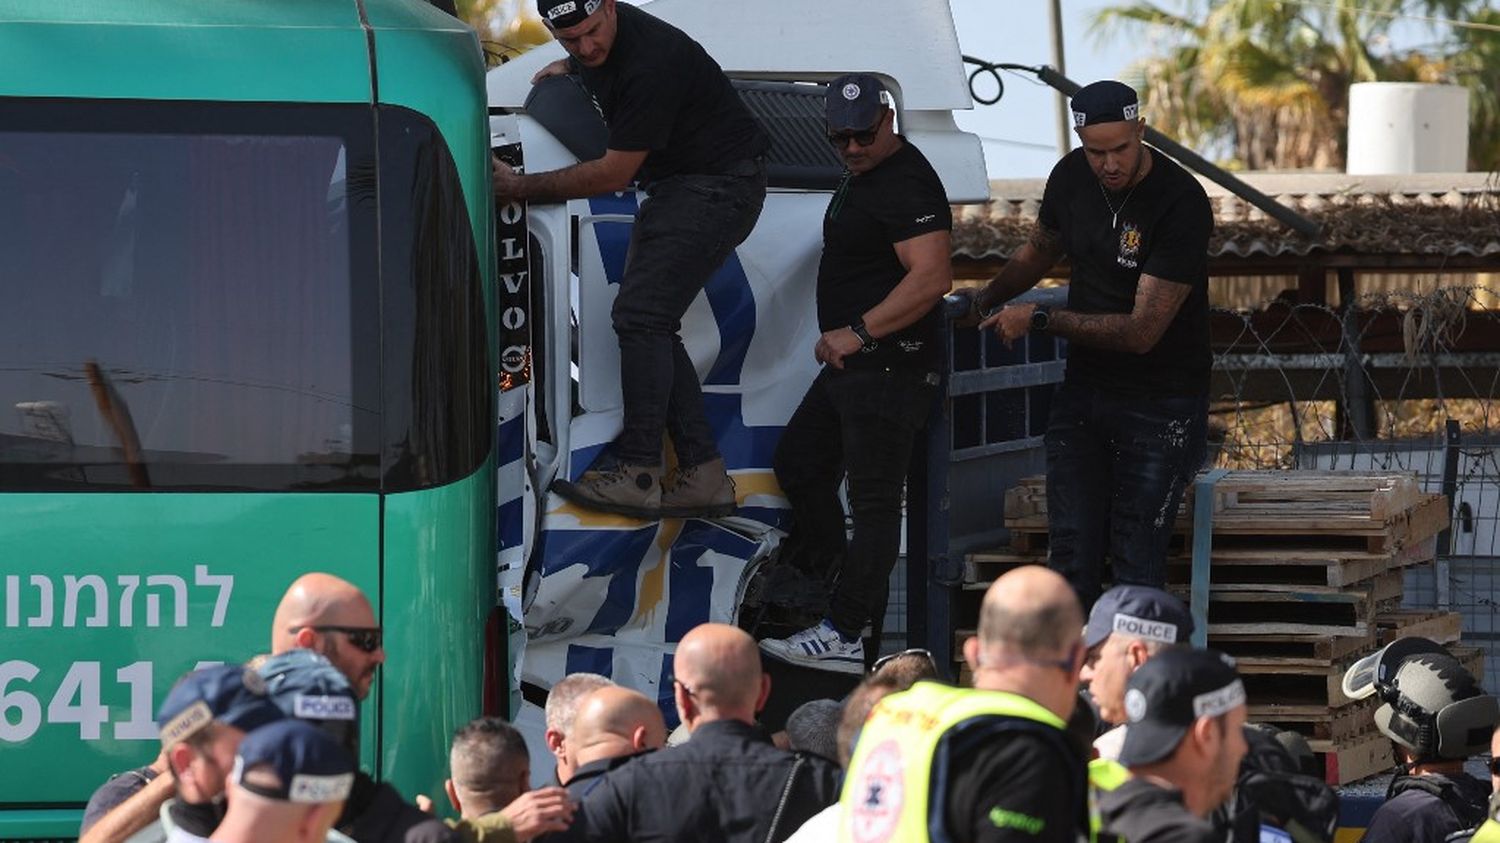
248	332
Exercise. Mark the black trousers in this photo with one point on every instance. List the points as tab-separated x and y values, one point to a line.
863	425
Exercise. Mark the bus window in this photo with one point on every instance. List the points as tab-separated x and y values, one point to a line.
181	295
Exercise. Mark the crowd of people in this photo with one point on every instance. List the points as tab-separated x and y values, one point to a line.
1073	727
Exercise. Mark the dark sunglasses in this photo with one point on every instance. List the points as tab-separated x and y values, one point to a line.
367	638
862	138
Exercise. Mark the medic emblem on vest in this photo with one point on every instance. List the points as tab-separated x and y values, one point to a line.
1130	246
879	794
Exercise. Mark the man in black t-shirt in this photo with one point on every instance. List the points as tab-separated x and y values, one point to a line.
885	268
1128	425
677	125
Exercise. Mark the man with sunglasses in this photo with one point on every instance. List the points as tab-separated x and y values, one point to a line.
991	763
331	617
677	125
885	268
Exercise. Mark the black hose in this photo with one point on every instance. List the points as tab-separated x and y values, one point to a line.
993	69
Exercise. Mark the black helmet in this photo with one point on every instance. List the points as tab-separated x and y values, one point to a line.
1432	705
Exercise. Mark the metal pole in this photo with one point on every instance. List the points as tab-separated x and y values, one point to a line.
1441	568
1064	124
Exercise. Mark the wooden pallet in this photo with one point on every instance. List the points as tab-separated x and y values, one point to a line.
984	567
1320	647
1311	566
1442	627
1320	722
1353	758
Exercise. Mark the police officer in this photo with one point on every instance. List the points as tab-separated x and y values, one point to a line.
290	781
1128	425
308	687
992	763
1436	716
1129	625
886	266
677	124
1186	712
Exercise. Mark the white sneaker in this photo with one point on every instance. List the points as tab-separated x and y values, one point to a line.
819	647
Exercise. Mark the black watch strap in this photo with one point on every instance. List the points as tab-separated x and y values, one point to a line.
858	327
1041	318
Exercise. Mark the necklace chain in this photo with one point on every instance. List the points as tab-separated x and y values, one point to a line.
1114	220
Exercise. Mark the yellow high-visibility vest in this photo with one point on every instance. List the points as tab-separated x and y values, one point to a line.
885	796
1104	775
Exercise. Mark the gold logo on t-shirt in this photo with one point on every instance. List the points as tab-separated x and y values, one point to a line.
1130	246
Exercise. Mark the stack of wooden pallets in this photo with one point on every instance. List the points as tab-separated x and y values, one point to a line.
1305	577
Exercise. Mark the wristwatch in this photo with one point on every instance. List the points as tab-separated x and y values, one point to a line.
1041	318
866	342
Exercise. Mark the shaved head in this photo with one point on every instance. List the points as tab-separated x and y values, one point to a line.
1030	612
306	615
614	721
719	663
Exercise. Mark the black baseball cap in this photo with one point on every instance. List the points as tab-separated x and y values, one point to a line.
231	694
310	766
1106	101
1141	612
306	686
561	14
853	101
1166	695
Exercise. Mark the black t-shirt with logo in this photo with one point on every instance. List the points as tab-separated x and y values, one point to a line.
868	214
1162	230
659	90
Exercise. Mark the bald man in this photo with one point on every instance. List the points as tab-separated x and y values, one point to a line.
613	725
728	782
331	616
1009	769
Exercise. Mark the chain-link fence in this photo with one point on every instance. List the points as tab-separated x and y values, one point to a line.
1396	381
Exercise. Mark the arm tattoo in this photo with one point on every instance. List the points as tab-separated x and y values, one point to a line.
1136	332
1046	241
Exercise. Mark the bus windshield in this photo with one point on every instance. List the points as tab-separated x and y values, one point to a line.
180	303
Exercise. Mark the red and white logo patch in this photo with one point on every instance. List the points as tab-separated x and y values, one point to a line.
879	793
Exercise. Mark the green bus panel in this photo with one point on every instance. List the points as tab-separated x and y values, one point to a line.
439	587
106	599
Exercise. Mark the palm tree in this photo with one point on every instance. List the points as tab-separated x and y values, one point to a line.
1265	83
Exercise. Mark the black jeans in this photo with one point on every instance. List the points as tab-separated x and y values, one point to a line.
863	424
684	231
1116	469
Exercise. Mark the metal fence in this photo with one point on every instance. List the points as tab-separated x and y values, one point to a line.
1387	382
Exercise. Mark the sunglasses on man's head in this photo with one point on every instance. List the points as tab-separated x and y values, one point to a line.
367	638
862	138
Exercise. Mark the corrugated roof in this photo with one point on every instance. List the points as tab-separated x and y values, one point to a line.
1425	215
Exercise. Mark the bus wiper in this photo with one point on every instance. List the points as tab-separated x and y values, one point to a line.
116	412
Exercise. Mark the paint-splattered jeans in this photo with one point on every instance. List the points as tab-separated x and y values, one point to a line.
1116	469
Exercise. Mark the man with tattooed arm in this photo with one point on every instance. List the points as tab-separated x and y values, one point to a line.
1128	424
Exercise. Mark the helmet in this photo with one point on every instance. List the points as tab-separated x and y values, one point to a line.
1432	705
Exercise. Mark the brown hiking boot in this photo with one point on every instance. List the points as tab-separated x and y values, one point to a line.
702	491
633	490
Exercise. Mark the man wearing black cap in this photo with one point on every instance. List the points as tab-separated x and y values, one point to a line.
1186	736
1128	425
676	122
1127	626
308	687
289	783
885	267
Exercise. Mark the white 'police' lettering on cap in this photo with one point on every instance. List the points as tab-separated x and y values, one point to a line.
310	707
1131	111
319	789
1222	701
1150	630
851	91
190	720
562	9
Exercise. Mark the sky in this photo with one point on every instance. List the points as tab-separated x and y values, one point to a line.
1020	131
